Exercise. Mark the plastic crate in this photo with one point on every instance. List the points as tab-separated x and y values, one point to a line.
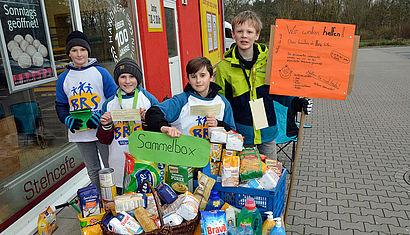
266	200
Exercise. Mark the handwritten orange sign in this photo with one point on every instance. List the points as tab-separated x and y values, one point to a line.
311	59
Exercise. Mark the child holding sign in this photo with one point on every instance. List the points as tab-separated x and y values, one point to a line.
84	85
130	95
197	108
241	74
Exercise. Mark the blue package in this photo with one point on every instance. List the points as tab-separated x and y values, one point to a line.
213	223
89	198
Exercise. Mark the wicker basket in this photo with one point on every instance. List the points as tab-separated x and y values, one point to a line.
185	228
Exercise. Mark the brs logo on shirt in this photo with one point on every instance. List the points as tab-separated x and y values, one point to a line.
83	97
122	130
201	129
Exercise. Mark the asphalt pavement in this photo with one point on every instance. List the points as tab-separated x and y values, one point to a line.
352	165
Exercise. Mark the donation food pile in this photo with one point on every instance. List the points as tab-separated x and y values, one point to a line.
136	212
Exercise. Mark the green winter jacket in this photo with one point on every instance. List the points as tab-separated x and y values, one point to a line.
230	76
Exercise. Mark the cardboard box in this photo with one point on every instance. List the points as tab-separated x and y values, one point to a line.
181	178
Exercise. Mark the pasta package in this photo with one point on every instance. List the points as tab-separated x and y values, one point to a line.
230	171
250	166
202	192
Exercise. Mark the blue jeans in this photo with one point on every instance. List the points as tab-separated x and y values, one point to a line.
89	152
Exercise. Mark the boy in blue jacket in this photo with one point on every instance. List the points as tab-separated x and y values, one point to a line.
85	84
173	116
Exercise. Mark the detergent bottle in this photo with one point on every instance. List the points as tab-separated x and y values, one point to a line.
251	216
278	229
214	202
268	224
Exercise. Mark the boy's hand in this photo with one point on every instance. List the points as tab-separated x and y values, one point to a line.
73	123
171	131
302	104
142	113
93	121
211	120
106	118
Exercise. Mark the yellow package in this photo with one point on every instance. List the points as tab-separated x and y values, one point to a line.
230	171
216	151
47	222
144	219
92	230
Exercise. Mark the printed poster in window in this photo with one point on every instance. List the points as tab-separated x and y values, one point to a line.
211	29
215	32
209	26
120	33
25	44
154	15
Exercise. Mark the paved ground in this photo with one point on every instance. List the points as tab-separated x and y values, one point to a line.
350	173
350	176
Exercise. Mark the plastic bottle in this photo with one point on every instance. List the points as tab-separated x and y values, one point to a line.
268	224
278	229
248	230
251	216
214	202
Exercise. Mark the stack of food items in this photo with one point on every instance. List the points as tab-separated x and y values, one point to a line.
238	167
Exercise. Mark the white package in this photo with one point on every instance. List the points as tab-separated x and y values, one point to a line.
217	135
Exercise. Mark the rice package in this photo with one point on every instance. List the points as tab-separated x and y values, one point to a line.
251	166
137	171
189	206
213	222
47	222
230	171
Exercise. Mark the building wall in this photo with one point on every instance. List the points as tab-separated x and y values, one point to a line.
189	34
155	55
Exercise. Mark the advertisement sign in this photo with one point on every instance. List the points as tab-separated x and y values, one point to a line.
158	147
311	59
211	30
154	15
25	44
121	34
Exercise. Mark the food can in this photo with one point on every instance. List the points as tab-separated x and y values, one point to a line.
108	193
106	177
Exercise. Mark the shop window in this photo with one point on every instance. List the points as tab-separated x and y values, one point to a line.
29	128
171	32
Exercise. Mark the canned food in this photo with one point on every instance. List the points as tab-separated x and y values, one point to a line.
106	177
108	193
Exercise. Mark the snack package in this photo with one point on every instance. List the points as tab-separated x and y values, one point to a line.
47	222
173	219
215	168
92	230
251	166
234	141
269	180
230	171
189	206
144	219
172	208
274	165
89	201
213	222
205	185
137	171
129	202
217	135
123	223
216	152
181	178
151	206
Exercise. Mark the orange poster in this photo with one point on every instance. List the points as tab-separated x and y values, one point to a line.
311	59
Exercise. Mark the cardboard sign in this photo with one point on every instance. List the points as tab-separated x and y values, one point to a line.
84	115
123	115
203	110
158	147
311	59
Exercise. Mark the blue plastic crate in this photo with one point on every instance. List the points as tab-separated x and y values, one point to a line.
266	200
